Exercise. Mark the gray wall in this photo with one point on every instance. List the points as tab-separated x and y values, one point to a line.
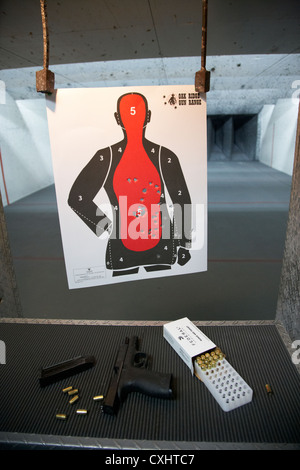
288	308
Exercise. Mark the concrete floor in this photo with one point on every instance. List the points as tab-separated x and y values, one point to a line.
247	215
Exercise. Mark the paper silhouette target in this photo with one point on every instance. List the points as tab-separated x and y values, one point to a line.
132	207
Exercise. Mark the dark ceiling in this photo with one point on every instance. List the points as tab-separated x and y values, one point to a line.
105	30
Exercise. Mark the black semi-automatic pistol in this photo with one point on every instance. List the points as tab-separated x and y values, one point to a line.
130	374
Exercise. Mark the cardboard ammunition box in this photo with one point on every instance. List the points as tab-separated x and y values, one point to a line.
187	340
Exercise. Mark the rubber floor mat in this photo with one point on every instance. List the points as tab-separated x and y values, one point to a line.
256	352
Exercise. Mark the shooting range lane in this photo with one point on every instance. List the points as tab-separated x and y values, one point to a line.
28	412
247	216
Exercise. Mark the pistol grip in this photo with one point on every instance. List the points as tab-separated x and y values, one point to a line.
153	384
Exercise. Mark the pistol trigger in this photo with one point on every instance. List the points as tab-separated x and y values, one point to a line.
140	359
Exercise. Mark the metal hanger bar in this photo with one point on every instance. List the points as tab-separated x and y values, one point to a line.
45	78
202	77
